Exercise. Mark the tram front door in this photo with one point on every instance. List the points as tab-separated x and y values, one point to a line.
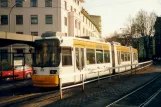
79	62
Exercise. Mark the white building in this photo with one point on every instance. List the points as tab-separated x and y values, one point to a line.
38	16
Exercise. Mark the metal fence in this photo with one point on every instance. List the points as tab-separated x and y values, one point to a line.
137	67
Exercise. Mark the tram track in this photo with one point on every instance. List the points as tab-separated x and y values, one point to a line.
28	99
147	102
141	96
22	98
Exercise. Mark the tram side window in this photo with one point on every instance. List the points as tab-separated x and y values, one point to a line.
66	56
90	56
106	56
133	56
118	57
122	57
82	56
99	56
77	57
136	56
128	56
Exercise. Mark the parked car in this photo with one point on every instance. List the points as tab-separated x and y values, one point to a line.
20	72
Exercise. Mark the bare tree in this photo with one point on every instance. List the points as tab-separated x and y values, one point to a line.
129	32
145	28
141	28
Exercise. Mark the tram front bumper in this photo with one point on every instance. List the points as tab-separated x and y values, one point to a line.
45	81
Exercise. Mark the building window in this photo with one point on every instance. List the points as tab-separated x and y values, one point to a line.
79	26
3	54
4	19
34	33
19	51
83	30
78	2
49	19
4	3
48	3
65	21
75	23
19	32
33	3
19	19
18	3
65	3
71	8
75	10
83	18
34	19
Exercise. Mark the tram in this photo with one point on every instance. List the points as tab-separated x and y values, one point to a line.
56	55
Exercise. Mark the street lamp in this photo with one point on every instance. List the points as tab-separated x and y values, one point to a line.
10	14
10	23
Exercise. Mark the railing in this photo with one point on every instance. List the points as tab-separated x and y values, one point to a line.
109	69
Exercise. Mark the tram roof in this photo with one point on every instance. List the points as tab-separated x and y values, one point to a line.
73	38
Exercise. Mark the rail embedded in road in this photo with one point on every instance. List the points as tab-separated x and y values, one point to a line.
127	99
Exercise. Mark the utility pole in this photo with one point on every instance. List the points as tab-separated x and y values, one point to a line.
11	57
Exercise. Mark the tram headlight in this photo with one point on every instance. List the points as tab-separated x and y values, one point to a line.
53	71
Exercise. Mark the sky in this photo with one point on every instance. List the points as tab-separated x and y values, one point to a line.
115	13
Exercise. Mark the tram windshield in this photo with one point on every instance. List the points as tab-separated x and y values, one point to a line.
47	53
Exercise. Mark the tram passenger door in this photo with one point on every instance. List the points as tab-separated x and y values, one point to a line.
79	62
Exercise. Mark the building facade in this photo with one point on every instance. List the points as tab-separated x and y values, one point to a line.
34	17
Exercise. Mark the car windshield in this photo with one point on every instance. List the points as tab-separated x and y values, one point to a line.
47	53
